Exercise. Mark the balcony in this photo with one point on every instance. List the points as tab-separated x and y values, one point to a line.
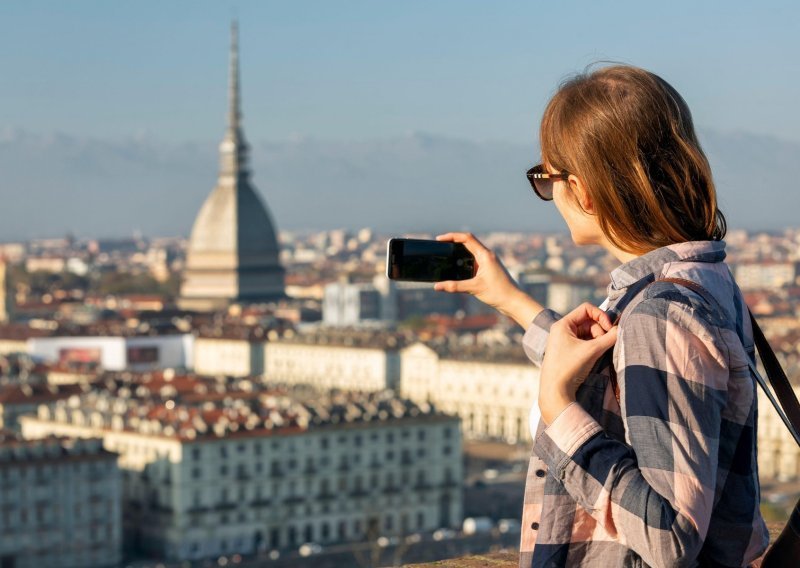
225	506
261	502
295	500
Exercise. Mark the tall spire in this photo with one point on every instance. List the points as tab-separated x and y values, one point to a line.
233	149
234	112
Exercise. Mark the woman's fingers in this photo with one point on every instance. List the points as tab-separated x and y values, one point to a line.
587	312
472	244
453	286
606	341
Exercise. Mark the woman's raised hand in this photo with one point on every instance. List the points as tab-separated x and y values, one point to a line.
491	284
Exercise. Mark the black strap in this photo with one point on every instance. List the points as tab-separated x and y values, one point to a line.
787	406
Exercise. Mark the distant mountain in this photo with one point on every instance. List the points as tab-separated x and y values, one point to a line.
54	184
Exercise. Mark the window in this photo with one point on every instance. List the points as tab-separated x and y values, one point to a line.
390	437
240	448
223	470
196	453
223	451
421	435
196	473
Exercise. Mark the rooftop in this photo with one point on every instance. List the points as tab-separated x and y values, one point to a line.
189	407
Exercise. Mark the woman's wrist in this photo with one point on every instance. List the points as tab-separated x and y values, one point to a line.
521	308
553	404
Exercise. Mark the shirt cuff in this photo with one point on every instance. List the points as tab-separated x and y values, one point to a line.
535	339
563	437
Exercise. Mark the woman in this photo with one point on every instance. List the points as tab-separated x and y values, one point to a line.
645	451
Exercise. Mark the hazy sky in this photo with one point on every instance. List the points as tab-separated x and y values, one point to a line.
393	114
358	69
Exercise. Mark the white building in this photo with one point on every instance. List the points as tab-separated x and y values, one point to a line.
778	453
232	354
138	353
558	292
348	304
326	359
250	470
491	391
765	275
59	504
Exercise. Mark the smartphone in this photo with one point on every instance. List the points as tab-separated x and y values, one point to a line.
421	260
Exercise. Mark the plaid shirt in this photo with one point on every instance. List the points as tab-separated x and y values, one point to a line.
667	476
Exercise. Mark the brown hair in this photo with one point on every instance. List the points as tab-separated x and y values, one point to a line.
629	136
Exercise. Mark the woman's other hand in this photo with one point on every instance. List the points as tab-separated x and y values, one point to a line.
491	284
575	343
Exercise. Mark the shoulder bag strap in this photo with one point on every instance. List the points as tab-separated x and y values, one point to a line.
787	406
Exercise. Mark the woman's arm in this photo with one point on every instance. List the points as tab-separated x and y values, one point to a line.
655	495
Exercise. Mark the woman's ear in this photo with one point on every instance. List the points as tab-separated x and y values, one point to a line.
582	194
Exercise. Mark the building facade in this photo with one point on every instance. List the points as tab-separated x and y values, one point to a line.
59	504
137	353
492	392
230	355
778	453
347	360
252	471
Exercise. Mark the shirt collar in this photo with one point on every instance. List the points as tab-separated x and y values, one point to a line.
630	278
653	262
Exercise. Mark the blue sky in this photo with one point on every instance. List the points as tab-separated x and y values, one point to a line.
359	69
111	111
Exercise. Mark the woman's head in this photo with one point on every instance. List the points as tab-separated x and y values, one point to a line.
628	136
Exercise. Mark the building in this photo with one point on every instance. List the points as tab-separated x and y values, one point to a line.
59	504
335	359
559	292
232	352
215	468
233	250
765	275
6	293
137	352
19	399
349	304
778	453
491	390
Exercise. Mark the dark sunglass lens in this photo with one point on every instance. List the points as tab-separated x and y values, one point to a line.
544	188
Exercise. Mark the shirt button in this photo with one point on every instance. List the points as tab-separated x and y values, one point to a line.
540	473
535	526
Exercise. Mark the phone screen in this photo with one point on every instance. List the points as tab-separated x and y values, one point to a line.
422	260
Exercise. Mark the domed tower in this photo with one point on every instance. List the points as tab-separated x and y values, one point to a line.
233	250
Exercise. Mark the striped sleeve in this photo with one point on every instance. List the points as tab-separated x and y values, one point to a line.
536	335
655	494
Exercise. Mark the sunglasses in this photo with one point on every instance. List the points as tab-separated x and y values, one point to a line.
542	182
